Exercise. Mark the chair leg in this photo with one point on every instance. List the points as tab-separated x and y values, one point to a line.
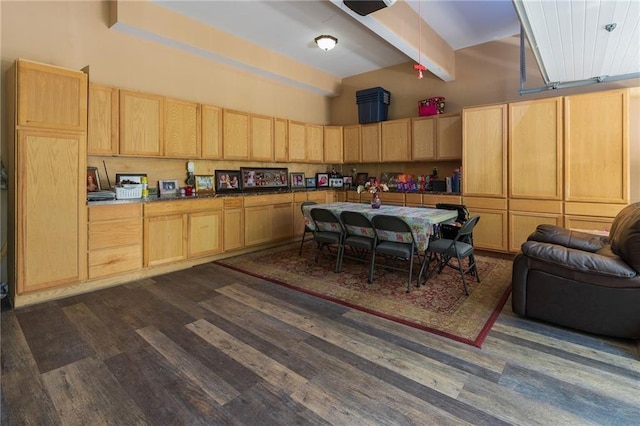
464	281
474	268
410	274
371	266
301	244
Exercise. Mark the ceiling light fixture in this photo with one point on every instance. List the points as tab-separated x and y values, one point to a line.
326	42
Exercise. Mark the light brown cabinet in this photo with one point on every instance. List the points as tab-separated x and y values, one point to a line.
526	215
333	144
50	97
491	232
297	144
141	124
370	147
211	132
351	144
396	140
114	239
182	129
261	138
449	137
268	218
280	140
233	238
235	137
314	143
484	151
205	228
46	156
423	146
102	127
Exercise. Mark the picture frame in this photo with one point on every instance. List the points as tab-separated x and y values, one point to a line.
129	177
361	179
322	180
264	178
336	182
347	181
372	180
227	181
297	180
168	187
203	184
310	182
93	179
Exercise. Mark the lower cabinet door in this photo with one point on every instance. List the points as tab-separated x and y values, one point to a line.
164	239
491	231
205	233
522	224
257	225
282	219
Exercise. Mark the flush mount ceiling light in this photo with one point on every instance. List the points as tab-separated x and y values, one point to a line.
326	42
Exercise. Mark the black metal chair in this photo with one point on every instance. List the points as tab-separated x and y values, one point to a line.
444	250
395	242
360	238
307	230
328	233
449	230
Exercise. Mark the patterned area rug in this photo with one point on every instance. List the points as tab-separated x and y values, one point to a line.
438	307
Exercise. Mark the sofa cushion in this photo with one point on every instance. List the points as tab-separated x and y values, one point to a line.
572	239
625	235
578	260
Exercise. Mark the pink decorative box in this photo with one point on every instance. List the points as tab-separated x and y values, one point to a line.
431	106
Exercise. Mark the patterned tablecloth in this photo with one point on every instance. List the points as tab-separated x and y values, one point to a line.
420	219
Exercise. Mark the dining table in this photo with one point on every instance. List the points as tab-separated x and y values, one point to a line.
420	219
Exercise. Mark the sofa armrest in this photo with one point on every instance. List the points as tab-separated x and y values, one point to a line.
567	238
578	260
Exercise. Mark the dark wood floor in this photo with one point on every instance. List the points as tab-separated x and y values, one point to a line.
212	346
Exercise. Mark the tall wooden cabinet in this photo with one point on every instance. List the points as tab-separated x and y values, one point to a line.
102	127
333	144
141	124
396	140
211	132
261	141
351	144
370	147
235	135
280	140
47	120
182	129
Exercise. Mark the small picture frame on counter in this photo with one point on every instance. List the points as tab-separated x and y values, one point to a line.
361	179
93	179
347	181
297	180
168	188
204	184
336	182
322	180
228	181
310	182
129	178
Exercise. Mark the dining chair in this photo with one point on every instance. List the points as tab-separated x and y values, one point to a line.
360	237
448	230
395	242
328	233
307	230
444	250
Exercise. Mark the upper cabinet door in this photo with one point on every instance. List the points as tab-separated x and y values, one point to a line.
535	149
261	138
314	140
102	129
181	129
235	137
396	140
484	151
141	123
280	139
211	132
51	97
297	144
449	137
370	147
351	144
423	140
333	144
597	147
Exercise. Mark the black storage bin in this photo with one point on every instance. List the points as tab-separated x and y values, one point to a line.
373	105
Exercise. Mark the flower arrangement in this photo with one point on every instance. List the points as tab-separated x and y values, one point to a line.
373	187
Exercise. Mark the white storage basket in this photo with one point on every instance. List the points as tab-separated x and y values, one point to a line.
128	193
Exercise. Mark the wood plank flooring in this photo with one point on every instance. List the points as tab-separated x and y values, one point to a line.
212	346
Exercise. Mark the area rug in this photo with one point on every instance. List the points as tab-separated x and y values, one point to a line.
439	307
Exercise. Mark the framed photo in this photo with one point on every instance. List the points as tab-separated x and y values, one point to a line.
203	184
93	179
361	179
168	187
322	180
256	179
310	182
336	182
129	177
347	181
372	180
297	180
227	180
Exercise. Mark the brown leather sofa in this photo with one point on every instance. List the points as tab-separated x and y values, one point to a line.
582	281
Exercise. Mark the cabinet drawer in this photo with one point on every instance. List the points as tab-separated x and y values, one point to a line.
319	197
114	260
433	199
205	204
391	197
593	209
413	199
539	206
299	196
116	211
265	200
233	203
485	203
115	233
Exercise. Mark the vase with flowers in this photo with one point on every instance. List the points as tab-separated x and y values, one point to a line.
374	187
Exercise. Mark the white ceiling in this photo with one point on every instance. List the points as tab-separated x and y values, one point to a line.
289	28
567	36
